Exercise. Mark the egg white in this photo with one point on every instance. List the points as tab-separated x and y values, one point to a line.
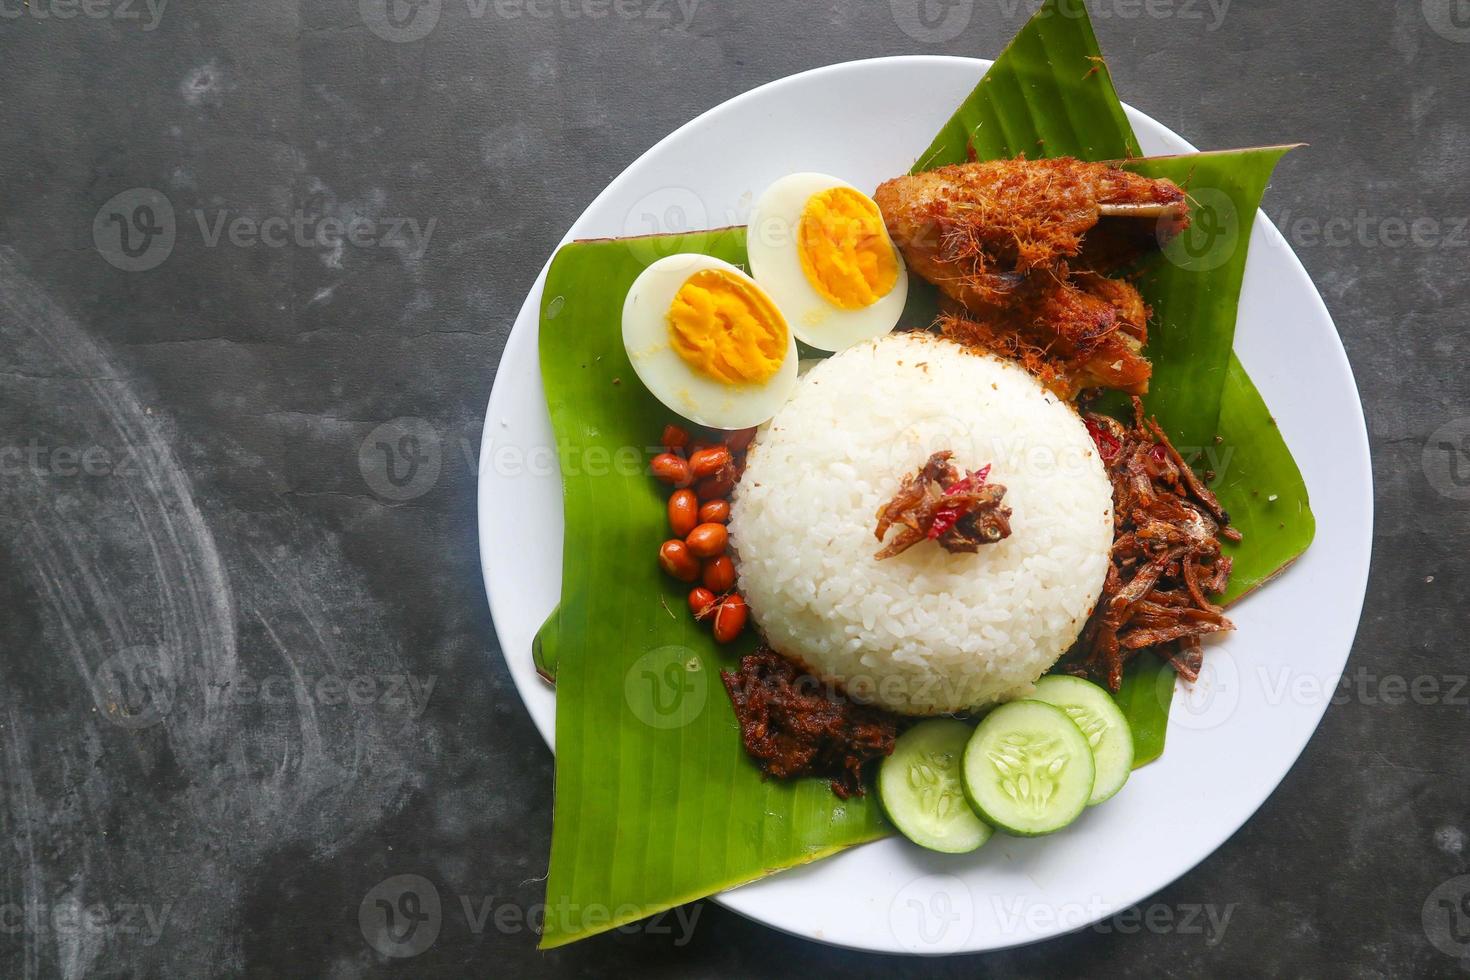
665	374
775	262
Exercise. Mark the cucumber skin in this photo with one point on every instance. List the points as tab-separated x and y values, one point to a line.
1065	681
987	831
1001	825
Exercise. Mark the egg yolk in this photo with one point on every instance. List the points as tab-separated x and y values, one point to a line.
726	329
844	252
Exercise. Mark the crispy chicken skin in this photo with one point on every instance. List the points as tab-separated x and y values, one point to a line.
988	224
1132	312
1008	242
1073	334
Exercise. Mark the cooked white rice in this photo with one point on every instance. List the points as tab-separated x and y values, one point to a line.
926	631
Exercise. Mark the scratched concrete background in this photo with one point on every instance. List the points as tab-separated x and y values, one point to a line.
247	672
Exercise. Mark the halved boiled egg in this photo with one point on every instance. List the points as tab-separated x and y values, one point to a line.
708	342
819	246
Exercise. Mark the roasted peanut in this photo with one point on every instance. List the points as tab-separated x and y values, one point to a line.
701	602
674	558
730	617
683	512
717	486
740	440
707	540
671	469
708	462
674	438
714	511
719	574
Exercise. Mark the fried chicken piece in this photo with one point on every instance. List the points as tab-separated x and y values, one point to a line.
976	230
1011	244
1123	297
1071	338
1063	379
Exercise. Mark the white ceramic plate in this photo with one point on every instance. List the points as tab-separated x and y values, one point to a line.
1231	738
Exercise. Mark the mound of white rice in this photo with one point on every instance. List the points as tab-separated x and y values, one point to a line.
926	631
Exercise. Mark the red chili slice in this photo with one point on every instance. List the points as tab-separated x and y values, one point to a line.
946	517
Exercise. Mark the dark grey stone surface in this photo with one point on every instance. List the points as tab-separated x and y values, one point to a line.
188	536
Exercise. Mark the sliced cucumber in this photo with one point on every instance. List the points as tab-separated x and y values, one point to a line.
1028	769
1095	712
919	786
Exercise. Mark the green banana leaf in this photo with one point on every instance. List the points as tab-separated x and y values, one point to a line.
1260	485
656	802
1145	697
1049	94
1193	286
